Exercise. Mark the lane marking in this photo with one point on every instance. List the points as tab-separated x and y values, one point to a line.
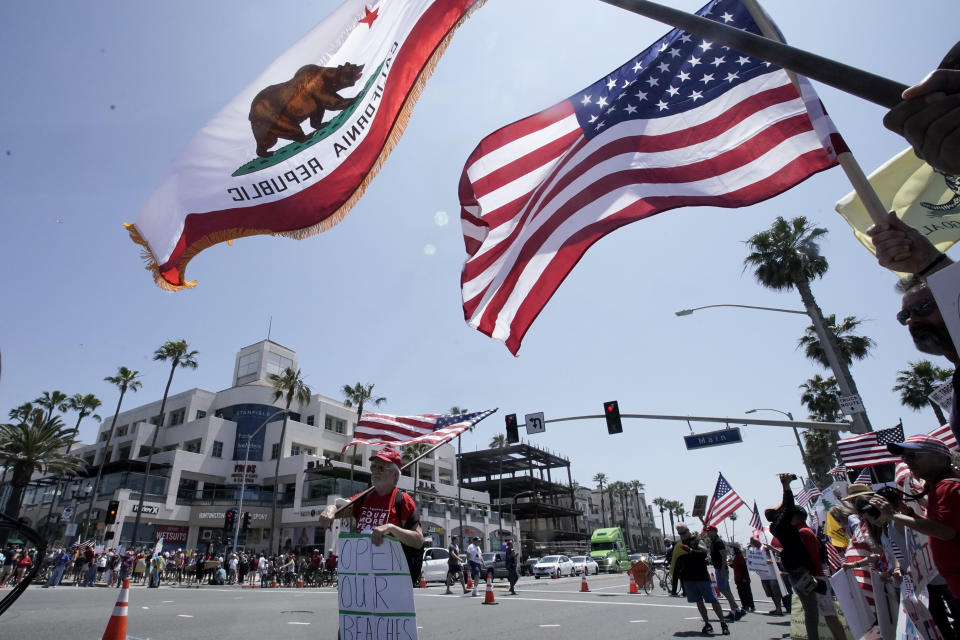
166	601
144	607
298	623
638	621
549	625
183	615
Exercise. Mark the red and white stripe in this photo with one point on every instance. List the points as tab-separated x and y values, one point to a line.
536	194
945	433
382	428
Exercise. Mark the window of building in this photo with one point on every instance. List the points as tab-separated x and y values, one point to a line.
122	430
310	420
89	459
334	424
156	420
297	449
105	436
276	363
328	423
125	453
177	417
200	414
275	451
217	451
249	364
193	446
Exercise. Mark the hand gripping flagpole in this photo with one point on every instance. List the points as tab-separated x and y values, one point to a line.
863	84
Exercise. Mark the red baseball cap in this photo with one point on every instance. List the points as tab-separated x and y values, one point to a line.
709	528
388	455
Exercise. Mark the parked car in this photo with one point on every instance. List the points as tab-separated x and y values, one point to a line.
584	564
496	561
526	569
435	564
634	558
548	565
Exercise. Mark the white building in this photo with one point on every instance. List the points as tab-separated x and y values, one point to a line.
199	464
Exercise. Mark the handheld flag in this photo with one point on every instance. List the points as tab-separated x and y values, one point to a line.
684	123
870	449
253	169
399	431
724	502
924	198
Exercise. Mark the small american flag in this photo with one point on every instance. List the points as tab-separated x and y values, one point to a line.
756	525
806	495
864	476
83	546
686	122
833	557
725	501
870	449
858	550
840	471
399	431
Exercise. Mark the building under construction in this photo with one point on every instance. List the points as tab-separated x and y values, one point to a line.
534	486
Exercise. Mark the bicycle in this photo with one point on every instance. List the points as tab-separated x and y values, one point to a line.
666	580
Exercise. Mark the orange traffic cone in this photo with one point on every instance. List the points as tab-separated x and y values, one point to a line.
556	573
633	585
117	627
423	581
583	582
488	596
470	584
300	583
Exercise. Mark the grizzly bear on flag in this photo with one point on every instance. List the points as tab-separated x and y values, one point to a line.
277	111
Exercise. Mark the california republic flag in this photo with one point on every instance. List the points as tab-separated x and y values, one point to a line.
292	153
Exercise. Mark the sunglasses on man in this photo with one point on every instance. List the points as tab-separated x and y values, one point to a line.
919	310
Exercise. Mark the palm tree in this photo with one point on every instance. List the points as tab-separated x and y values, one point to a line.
600	478
290	386
178	353
635	488
916	383
125	380
35	443
822	399
357	396
661	503
851	346
787	256
53	400
679	511
671	506
498	441
621	490
84	405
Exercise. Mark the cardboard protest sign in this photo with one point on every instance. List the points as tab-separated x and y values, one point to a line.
915	622
375	593
758	561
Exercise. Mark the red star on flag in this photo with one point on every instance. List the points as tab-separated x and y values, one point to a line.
370	16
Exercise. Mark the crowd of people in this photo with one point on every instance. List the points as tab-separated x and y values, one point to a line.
87	566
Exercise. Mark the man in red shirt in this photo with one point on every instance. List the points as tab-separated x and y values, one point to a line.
929	460
376	513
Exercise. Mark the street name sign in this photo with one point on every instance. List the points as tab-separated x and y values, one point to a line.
713	438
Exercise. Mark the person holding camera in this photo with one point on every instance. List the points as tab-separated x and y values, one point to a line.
801	559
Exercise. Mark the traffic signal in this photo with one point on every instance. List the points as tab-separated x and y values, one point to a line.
230	519
513	432
246	521
611	411
112	508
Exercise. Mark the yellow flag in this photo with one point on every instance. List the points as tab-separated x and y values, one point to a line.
924	198
834	531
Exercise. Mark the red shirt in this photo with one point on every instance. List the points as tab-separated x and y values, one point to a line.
24	562
377	510
943	505
740	568
809	539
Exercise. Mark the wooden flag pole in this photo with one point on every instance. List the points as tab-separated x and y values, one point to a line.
856	176
863	84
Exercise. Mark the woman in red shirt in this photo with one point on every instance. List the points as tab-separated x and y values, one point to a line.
23	563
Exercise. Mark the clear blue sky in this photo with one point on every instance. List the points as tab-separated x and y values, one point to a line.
99	96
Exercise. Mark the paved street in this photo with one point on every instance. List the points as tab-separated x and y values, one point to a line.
543	609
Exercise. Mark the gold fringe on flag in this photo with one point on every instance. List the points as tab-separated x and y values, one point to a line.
227	235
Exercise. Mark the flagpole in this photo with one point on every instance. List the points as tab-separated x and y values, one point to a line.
863	84
856	176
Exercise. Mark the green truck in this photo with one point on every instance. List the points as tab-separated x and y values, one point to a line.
608	548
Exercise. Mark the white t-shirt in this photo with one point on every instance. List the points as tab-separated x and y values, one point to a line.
473	553
263	565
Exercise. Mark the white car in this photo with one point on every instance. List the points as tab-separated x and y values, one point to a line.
586	564
435	564
548	565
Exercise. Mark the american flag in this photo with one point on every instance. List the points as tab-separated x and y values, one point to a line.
870	449
756	525
864	476
806	495
833	557
945	433
684	123
83	546
399	431
839	471
859	549
725	501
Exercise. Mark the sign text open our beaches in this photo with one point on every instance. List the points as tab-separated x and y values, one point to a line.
375	591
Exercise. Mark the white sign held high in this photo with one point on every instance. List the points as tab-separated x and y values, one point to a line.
375	592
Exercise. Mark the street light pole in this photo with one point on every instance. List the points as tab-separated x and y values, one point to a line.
243	478
687	312
796	434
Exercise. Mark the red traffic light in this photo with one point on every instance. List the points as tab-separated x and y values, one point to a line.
611	412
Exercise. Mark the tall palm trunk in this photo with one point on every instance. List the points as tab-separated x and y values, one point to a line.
276	481
672	528
663	528
103	458
146	474
839	366
941	419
